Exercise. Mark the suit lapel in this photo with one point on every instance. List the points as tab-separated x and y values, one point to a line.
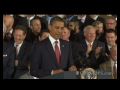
4	46
94	45
51	51
22	50
63	51
84	46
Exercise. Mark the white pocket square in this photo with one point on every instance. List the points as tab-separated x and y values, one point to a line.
4	55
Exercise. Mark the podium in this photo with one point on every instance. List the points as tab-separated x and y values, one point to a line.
101	74
63	75
104	74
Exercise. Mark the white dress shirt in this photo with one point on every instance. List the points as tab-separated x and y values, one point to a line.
82	19
95	17
19	46
52	40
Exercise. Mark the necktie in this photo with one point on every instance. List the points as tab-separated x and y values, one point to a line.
16	49
8	36
57	52
115	71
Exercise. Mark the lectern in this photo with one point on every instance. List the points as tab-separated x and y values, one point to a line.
63	75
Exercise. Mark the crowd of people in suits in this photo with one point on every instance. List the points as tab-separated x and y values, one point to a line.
30	50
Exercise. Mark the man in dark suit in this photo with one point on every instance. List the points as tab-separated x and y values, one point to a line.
93	51
23	51
50	58
111	37
8	58
75	46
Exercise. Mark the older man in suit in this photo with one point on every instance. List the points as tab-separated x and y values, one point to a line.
8	58
52	55
93	51
111	64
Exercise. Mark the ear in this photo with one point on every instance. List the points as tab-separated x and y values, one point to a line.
85	34
49	27
30	27
24	36
116	37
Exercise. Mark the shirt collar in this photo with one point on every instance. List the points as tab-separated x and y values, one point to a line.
82	19
11	31
52	40
31	17
110	46
113	61
18	44
88	42
95	17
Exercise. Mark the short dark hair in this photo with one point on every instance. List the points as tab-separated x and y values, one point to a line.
56	18
35	18
22	28
110	31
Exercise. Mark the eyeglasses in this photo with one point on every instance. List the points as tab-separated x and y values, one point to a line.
110	23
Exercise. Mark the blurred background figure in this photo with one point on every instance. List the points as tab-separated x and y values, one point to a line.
8	57
111	64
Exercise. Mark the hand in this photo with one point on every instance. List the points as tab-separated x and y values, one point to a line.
57	71
89	48
98	50
72	68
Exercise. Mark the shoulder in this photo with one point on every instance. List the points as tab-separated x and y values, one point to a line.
7	45
64	42
27	43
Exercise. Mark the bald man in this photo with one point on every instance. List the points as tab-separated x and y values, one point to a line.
108	65
8	58
9	21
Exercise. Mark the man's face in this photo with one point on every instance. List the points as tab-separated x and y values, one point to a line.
71	25
110	24
19	36
90	35
56	29
111	38
36	26
65	34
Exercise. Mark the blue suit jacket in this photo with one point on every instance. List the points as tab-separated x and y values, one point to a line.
8	60
43	59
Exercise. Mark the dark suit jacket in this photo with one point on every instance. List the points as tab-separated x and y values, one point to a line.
43	60
76	48
94	62
11	39
8	60
23	57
